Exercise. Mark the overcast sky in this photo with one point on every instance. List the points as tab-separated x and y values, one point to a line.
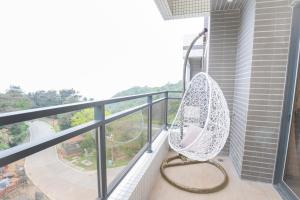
96	47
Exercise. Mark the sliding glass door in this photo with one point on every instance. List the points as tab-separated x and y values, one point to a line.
291	174
287	171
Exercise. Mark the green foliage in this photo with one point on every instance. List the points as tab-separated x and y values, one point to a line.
64	121
70	96
3	146
44	98
18	133
88	143
140	90
4	138
51	98
82	117
125	137
14	99
173	106
123	129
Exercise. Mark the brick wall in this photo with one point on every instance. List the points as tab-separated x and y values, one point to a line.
223	31
268	73
242	84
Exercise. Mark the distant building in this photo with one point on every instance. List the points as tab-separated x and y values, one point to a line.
195	62
71	147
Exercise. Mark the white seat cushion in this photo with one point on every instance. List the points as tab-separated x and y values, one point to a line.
190	134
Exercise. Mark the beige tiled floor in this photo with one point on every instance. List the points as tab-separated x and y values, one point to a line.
206	175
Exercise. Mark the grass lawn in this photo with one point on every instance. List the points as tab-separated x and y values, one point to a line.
92	162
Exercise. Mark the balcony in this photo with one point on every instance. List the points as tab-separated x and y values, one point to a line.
51	165
46	167
205	176
252	53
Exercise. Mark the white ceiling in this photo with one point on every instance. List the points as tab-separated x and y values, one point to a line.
174	9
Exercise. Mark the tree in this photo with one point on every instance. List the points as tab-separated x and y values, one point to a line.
3	146
14	99
18	134
88	143
82	117
140	90
44	98
4	139
15	91
64	120
69	96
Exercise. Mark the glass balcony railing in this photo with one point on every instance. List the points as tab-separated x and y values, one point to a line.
86	161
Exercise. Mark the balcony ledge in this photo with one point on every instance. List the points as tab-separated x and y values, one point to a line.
145	182
139	181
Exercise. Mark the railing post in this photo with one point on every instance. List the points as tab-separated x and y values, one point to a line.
99	114
149	101
166	110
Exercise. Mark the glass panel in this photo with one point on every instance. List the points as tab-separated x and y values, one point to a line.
124	105
173	105
19	133
16	184
158	118
158	96
65	171
14	135
67	120
79	152
125	137
292	166
175	95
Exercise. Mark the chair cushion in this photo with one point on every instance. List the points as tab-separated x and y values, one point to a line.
190	134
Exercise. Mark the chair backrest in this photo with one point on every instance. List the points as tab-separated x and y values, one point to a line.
201	126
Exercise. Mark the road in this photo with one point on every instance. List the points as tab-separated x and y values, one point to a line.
55	178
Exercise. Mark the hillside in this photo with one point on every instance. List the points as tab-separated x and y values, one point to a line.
15	99
140	90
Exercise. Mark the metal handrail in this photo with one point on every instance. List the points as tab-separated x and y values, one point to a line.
21	151
30	114
188	54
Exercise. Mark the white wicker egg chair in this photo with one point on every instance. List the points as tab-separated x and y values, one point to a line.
200	129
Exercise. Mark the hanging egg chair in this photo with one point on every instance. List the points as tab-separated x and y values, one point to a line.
200	128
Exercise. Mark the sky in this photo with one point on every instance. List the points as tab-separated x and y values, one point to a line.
96	47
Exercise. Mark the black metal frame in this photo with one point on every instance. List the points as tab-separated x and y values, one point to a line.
188	54
21	151
289	95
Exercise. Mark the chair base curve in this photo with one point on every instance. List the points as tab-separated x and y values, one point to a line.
184	161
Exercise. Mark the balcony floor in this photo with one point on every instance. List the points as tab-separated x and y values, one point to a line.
205	175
